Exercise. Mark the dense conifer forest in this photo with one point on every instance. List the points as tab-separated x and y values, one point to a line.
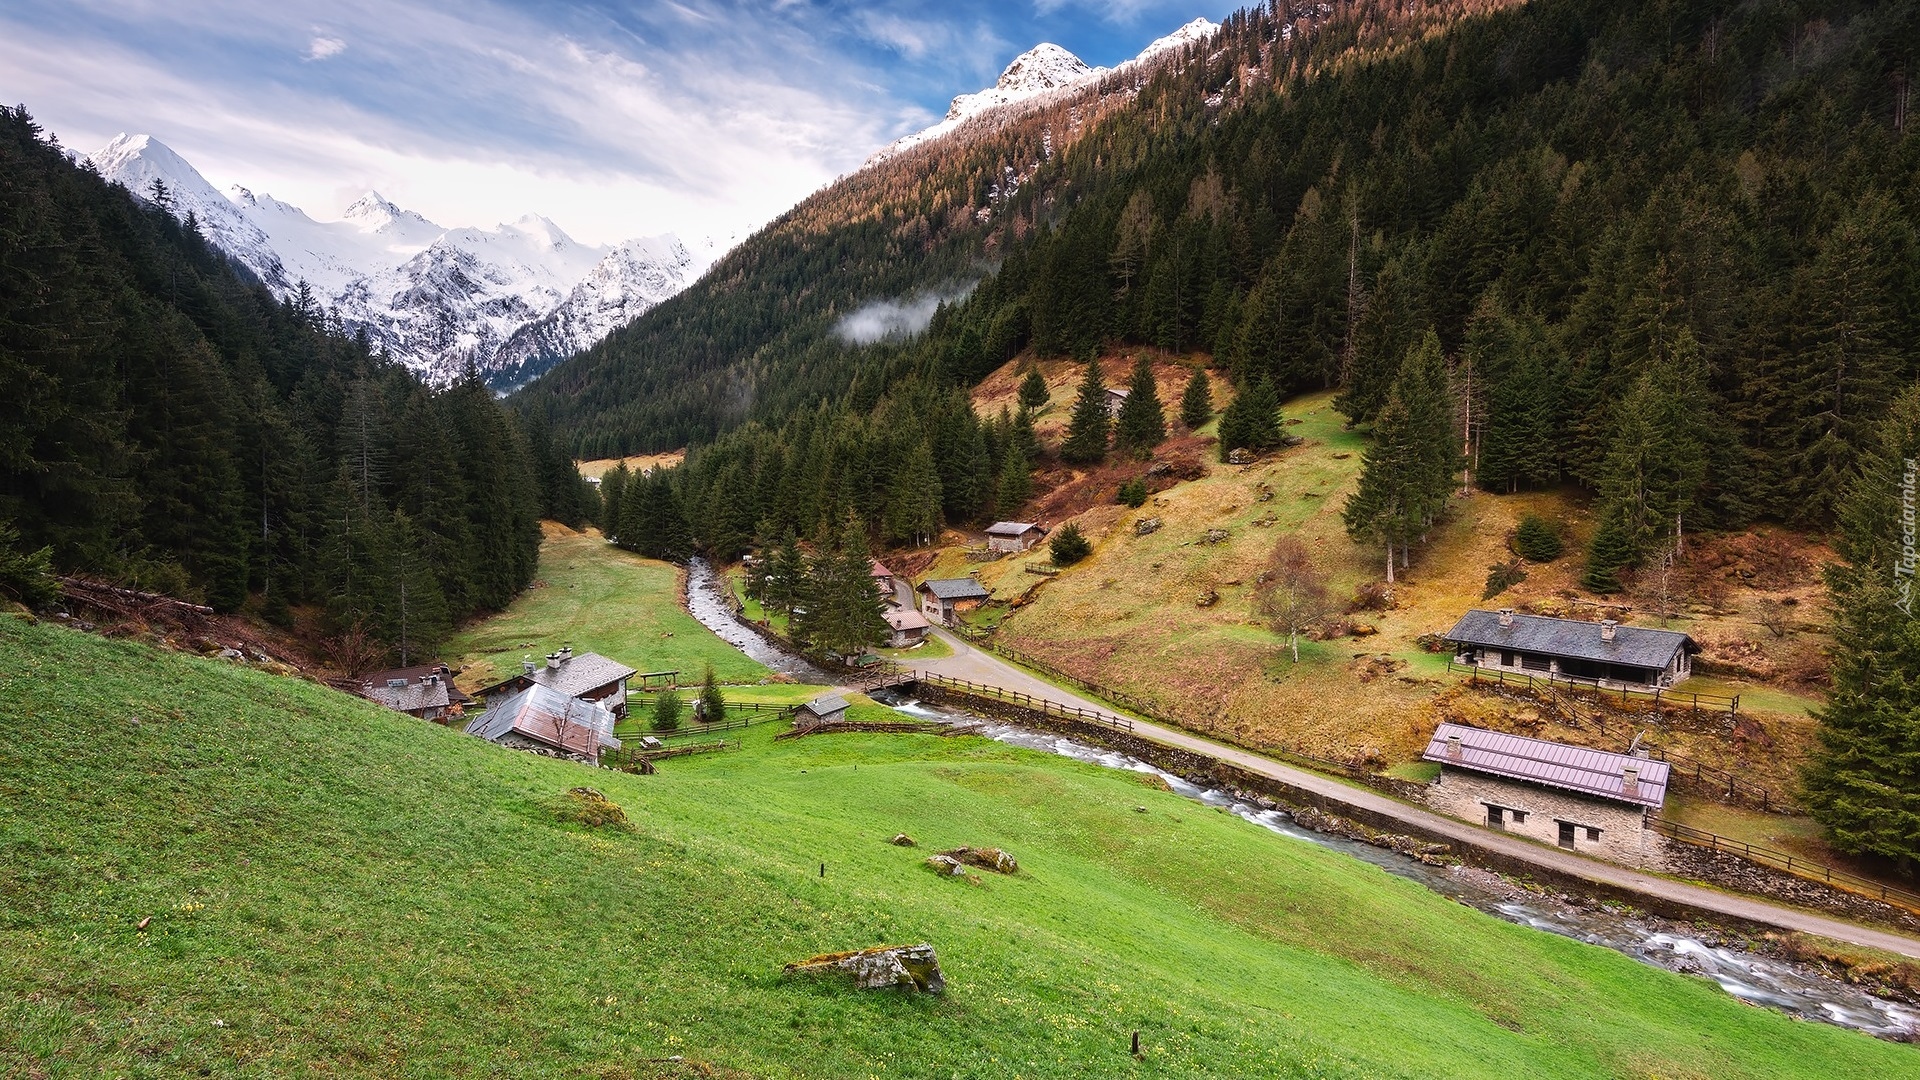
169	425
1664	251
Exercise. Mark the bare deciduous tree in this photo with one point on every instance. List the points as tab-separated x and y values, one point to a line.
1292	592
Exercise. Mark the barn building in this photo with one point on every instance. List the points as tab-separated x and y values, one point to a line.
945	599
906	628
1583	800
1013	536
1600	654
543	719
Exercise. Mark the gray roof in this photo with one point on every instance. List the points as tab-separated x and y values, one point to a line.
1575	768
584	673
821	706
1632	646
413	697
1011	528
906	619
964	588
551	717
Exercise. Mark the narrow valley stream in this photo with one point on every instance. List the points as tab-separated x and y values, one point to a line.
1759	980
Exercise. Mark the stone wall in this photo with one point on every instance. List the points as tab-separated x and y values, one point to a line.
1624	837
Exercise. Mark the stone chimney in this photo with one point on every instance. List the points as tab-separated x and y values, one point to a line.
566	653
526	662
1630	781
1506	617
1607	627
1453	746
553	661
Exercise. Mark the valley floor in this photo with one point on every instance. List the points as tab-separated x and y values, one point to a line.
217	871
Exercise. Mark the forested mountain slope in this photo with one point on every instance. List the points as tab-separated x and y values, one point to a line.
754	339
168	424
1668	251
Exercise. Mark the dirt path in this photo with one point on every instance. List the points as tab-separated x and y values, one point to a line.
983	667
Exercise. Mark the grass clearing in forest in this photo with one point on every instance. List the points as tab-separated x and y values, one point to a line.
330	887
599	599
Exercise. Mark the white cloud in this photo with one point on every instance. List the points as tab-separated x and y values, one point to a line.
610	147
883	320
322	47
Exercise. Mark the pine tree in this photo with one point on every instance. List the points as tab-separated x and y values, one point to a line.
1016	482
1611	550
1407	473
1086	441
613	486
667	708
1196	402
1033	390
913	500
1142	424
786	572
1251	420
843	611
1863	781
712	705
1069	545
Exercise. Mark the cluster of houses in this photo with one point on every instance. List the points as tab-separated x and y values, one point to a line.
566	706
1572	796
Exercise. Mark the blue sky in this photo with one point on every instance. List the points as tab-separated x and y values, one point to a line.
702	117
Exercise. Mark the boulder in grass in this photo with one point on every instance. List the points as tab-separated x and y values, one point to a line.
913	968
902	840
946	865
986	859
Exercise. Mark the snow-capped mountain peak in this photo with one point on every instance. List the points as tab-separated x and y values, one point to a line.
514	299
1043	69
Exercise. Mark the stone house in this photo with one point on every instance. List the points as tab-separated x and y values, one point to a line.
1116	400
1583	800
1013	536
425	692
1600	654
906	628
588	676
945	599
822	710
882	580
544	720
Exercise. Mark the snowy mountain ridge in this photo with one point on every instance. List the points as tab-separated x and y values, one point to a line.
512	300
1044	69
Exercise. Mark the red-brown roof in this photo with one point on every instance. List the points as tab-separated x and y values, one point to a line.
1574	768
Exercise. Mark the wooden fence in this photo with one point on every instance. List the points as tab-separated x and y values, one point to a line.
1658	696
1904	899
1729	787
1015	697
1151	710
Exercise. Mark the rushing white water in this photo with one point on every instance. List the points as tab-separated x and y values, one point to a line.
707	603
1760	980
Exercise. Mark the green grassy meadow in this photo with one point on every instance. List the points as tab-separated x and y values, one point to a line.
333	889
600	599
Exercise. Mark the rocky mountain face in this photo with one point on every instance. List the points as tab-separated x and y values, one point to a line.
512	300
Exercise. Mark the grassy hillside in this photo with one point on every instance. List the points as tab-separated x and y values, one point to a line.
337	889
601	599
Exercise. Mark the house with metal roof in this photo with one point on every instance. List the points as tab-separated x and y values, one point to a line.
821	710
1574	797
882	579
944	599
588	676
1602	654
1117	399
544	720
1013	536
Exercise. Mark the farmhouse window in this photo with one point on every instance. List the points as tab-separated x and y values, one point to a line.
1593	833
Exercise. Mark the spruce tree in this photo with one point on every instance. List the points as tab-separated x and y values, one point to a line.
713	706
1863	781
1033	390
1251	420
1142	424
913	499
1611	550
1408	471
1086	441
1016	483
1196	402
667	708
